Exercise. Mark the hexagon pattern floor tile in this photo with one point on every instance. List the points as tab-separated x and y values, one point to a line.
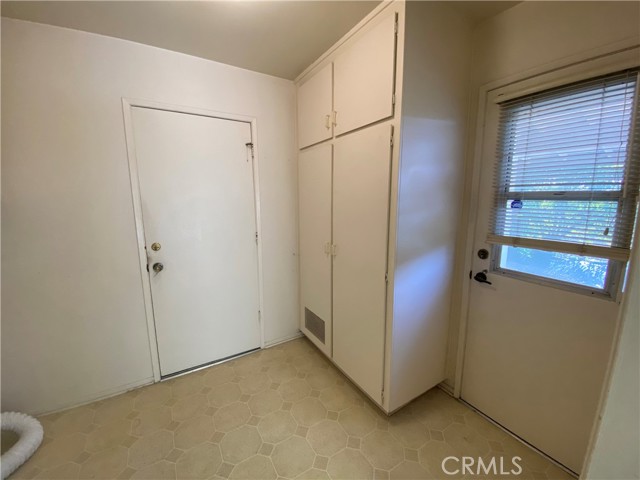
283	412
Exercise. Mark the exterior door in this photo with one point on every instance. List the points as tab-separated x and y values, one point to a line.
361	180
535	355
196	186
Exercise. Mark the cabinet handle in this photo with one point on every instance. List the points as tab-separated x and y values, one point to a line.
335	118
327	121
330	249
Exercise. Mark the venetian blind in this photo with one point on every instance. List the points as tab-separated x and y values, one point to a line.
568	168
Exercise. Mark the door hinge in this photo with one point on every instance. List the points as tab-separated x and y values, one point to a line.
382	396
393	99
386	277
391	142
259	316
256	237
395	25
249	145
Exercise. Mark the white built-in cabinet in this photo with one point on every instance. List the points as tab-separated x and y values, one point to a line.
315	108
363	78
361	172
343	250
333	100
378	217
314	179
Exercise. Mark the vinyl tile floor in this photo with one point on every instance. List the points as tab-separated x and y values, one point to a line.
283	412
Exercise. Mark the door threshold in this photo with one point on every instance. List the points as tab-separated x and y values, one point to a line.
213	363
521	440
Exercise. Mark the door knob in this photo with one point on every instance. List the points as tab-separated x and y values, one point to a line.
482	277
158	267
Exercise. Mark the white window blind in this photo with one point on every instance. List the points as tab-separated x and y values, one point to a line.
568	169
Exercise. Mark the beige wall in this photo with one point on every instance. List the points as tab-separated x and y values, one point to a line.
526	40
73	321
533	34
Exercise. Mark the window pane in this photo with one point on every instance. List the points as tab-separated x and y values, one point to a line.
567	168
572	221
583	169
566	267
577	142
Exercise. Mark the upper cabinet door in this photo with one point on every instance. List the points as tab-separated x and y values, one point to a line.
314	108
364	78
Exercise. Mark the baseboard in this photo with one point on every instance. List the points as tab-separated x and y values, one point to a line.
102	395
112	392
446	388
278	341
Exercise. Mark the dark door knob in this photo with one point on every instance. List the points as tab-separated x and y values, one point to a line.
482	277
483	253
158	267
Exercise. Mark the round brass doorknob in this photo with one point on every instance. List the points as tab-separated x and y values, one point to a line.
158	267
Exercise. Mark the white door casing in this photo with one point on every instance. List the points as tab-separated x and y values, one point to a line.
361	189
535	356
197	199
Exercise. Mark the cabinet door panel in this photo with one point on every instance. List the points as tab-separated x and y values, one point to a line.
314	180
364	78
314	108
362	165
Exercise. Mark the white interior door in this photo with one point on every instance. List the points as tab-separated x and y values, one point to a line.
364	78
535	355
197	193
315	104
314	192
361	180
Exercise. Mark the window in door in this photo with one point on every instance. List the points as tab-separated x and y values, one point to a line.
566	184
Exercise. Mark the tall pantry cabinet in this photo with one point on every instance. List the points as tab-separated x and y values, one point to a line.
381	126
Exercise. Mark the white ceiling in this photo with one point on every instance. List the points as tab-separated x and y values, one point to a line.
278	38
479	10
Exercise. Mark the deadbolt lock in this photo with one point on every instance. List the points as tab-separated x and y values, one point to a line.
156	246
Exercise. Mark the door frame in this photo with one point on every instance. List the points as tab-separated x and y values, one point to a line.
127	106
